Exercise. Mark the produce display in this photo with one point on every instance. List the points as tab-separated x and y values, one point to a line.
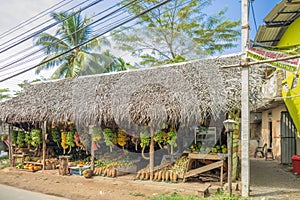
122	138
14	137
168	172
109	164
21	139
70	140
96	136
109	138
64	143
215	149
56	135
36	137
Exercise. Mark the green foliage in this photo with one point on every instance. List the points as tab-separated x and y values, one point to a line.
74	30
221	195
3	94
26	83
175	196
177	32
137	194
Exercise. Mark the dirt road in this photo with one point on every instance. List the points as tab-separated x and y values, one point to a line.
269	180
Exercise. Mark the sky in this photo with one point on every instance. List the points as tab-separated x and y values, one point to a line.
14	12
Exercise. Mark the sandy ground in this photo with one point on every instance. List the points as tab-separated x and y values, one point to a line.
269	180
98	187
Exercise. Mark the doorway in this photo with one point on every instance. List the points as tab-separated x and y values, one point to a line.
287	138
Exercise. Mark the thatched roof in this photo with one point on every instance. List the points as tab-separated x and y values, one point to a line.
184	92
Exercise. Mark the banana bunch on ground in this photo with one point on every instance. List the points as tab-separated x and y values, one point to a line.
180	165
101	171
161	175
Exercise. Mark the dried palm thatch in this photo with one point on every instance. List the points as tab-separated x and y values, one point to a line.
184	93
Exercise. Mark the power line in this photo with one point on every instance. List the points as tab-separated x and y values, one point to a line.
96	21
47	27
116	26
253	14
111	24
32	19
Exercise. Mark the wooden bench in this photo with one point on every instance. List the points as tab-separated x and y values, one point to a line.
203	191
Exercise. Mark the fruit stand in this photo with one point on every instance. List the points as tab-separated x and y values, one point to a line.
215	161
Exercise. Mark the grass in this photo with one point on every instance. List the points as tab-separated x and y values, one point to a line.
4	162
175	196
137	194
220	195
4	157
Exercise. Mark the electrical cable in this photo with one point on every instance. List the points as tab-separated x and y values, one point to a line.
25	56
24	34
47	27
32	19
116	26
31	47
253	14
31	59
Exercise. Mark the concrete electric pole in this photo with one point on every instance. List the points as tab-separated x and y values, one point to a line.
245	164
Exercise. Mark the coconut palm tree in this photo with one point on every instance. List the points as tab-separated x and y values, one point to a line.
4	94
72	31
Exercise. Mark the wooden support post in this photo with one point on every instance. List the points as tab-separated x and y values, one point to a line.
92	149
10	148
151	153
44	129
221	175
229	145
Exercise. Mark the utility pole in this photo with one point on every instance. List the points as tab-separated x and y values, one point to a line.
245	164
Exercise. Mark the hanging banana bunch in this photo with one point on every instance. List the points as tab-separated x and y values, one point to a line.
70	140
172	136
109	138
96	136
122	138
64	144
36	137
158	137
28	140
56	135
145	141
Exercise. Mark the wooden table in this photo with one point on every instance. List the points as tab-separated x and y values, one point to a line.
218	163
